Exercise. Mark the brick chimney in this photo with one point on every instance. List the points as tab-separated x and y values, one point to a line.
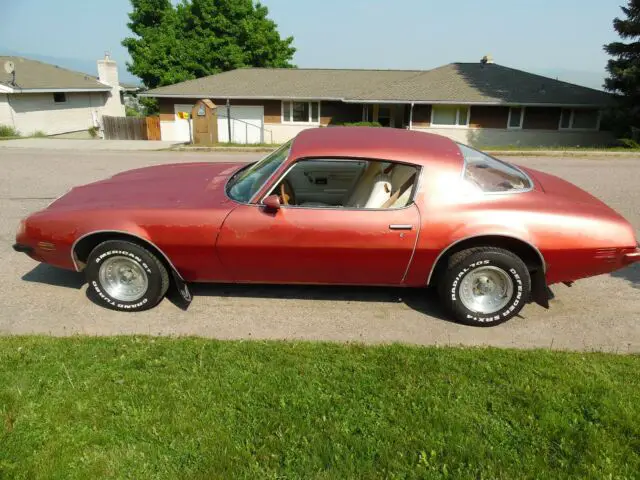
487	59
108	74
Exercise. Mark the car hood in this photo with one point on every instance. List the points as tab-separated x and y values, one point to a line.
172	186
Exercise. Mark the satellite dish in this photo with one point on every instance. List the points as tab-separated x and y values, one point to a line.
9	67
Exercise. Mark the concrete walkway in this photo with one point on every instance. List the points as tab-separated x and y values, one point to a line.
72	144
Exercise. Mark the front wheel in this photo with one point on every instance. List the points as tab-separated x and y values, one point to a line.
125	276
485	286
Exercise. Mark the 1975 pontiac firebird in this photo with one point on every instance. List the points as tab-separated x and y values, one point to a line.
343	205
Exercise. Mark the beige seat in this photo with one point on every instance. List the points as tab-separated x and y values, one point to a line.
370	187
375	188
399	176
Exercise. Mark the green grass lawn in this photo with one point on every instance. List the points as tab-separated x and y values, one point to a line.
140	408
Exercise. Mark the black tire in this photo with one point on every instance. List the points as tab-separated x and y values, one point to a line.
157	277
463	263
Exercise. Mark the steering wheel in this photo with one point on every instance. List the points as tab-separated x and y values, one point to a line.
286	193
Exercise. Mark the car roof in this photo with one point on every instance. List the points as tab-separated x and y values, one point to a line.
391	144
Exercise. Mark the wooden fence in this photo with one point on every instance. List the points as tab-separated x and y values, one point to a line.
131	128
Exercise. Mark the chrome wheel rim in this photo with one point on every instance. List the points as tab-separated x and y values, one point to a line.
123	278
486	289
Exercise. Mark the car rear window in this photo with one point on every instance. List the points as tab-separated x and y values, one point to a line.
492	175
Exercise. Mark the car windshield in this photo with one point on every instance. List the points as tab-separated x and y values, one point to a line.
245	183
492	175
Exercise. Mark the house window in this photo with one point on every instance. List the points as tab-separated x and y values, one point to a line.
516	117
60	97
450	116
579	119
300	112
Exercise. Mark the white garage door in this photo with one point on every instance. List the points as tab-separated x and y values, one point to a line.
247	124
178	129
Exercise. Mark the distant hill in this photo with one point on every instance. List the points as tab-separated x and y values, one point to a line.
579	77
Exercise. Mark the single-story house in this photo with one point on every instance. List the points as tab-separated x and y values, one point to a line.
37	96
478	103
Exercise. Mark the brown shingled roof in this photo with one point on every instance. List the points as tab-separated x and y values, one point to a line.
32	75
488	83
453	83
285	83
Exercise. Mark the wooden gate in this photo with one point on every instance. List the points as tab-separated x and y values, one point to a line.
153	128
131	128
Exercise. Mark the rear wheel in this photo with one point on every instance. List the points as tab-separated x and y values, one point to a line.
125	276
485	286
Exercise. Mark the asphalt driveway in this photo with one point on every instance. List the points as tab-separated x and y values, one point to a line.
601	313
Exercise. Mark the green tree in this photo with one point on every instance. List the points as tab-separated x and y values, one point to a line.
197	38
624	67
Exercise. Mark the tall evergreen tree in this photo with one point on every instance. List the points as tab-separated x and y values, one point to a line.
624	67
201	37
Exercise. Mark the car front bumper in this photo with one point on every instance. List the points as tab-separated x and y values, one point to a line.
23	248
631	257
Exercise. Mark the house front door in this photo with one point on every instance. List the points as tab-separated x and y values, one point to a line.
384	114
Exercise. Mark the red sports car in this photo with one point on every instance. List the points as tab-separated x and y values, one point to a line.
343	205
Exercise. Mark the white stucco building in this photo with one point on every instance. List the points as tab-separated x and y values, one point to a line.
40	97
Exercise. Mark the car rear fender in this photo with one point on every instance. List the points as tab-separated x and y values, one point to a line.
529	253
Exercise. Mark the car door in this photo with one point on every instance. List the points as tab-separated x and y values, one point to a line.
370	244
318	245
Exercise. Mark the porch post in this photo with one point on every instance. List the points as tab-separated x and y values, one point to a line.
411	117
229	118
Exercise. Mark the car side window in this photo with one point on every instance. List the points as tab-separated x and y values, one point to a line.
347	183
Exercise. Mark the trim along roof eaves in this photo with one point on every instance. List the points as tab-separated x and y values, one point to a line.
57	90
488	104
241	97
395	102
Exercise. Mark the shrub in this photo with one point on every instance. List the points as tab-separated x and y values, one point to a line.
628	143
93	131
132	112
8	131
39	134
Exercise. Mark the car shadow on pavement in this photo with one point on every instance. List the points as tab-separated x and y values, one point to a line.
631	274
43	273
423	300
420	299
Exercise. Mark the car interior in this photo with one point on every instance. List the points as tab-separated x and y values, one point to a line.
366	184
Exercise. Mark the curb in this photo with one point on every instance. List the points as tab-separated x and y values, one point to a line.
561	153
223	149
496	153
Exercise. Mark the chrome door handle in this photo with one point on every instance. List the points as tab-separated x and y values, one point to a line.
400	227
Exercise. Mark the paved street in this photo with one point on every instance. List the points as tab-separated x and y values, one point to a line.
601	313
80	144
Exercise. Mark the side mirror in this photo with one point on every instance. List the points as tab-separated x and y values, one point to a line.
272	203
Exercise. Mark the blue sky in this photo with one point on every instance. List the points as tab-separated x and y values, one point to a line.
559	38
